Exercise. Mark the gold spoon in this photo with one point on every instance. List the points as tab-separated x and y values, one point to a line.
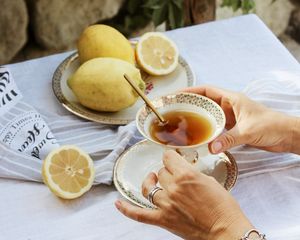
146	100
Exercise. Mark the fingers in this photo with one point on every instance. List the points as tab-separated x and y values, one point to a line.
149	183
227	140
174	163
226	105
216	94
164	178
138	214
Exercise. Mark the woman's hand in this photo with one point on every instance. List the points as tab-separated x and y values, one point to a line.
191	204
249	122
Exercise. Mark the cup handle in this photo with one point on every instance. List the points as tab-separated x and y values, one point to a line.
193	155
190	155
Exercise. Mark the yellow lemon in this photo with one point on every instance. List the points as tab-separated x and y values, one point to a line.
99	84
104	41
156	54
68	172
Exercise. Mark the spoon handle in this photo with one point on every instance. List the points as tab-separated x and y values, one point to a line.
143	96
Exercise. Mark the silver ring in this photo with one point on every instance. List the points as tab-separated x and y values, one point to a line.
152	193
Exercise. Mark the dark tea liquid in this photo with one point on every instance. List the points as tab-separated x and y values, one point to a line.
182	129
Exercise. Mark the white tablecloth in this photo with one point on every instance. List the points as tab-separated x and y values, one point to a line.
228	54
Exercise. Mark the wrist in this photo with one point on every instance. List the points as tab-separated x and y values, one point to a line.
253	234
289	129
232	229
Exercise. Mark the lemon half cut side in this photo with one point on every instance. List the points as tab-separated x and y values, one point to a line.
68	171
157	54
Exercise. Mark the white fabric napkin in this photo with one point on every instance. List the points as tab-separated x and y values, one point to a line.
22	127
25	138
278	90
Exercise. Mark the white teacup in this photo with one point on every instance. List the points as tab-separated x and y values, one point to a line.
187	102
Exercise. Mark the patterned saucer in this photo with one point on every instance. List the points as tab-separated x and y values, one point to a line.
144	157
182	77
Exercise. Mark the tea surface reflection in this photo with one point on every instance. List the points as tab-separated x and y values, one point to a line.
182	129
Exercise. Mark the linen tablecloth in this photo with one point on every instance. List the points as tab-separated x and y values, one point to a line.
228	54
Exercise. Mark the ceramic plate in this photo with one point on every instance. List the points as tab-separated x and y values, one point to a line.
155	86
144	157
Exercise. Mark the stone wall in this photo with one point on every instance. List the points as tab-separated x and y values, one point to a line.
13	28
34	28
275	15
282	17
31	28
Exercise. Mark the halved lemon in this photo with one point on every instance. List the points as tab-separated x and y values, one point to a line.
156	54
68	171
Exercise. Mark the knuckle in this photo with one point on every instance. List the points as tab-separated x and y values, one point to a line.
173	195
166	156
172	187
185	175
127	213
139	217
226	100
144	190
247	135
160	172
229	140
170	208
173	192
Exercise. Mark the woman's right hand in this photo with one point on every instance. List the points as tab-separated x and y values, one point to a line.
249	122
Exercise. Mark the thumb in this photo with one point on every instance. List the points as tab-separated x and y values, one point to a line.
226	141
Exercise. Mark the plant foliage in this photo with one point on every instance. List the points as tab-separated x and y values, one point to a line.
245	5
136	14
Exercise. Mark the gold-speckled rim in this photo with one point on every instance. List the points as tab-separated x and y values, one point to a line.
211	107
226	157
94	115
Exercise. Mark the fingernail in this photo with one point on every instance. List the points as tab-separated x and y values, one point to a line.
118	204
217	147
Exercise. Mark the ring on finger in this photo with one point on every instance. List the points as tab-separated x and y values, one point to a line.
152	193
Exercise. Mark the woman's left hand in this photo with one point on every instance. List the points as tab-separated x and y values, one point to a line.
191	205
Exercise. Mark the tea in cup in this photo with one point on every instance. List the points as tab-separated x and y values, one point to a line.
192	121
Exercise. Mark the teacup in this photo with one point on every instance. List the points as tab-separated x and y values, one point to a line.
187	102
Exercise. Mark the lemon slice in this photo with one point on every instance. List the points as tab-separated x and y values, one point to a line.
156	54
68	172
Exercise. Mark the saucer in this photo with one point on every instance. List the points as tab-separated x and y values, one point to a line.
144	157
156	86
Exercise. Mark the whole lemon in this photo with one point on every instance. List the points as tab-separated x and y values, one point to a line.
99	84
104	41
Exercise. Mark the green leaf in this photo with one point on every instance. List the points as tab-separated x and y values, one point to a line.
248	5
175	16
226	3
151	3
171	17
178	3
235	4
245	5
159	15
